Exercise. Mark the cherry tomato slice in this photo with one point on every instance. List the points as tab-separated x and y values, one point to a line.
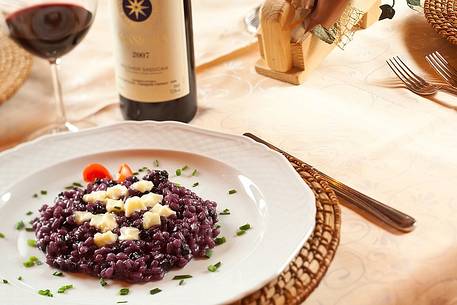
95	170
124	172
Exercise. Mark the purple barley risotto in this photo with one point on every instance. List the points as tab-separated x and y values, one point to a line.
134	231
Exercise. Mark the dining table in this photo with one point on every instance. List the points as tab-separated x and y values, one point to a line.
352	119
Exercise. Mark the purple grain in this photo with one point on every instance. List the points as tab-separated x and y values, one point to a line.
173	244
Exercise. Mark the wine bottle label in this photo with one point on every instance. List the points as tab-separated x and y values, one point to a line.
151	50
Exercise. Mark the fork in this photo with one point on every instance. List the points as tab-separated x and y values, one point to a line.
252	20
443	67
414	82
353	198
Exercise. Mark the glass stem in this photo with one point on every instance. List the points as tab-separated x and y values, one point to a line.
60	108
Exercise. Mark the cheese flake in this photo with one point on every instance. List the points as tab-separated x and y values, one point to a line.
104	222
81	217
132	205
151	199
117	191
129	233
142	186
95	196
151	219
103	239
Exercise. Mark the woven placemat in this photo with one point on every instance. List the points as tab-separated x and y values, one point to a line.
442	15
305	272
15	66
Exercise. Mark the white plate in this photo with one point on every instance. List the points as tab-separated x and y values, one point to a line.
271	197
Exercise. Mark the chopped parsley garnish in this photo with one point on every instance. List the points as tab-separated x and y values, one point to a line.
57	273
155	291
178	172
233	191
208	253
19	278
195	184
117	208
35	195
20	225
218	226
73	185
64	288
31	243
182	277
46	293
121	302
225	212
32	261
143	169
2	235
29	213
28	264
220	240
135	173
182	282
245	227
185	167
103	283
156	163
124	291
195	173
213	268
5	281
43	192
29	229
242	230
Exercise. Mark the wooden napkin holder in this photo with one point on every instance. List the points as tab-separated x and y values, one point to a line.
290	61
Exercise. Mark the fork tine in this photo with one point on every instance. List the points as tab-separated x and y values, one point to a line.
413	75
446	63
399	74
414	83
438	68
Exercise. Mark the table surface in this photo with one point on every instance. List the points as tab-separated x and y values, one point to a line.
351	119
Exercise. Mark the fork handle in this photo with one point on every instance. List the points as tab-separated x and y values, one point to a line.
386	214
449	89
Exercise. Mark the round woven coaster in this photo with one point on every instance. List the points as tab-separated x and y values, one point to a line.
442	15
305	272
15	66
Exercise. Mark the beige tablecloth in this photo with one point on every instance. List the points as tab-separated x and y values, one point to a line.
351	119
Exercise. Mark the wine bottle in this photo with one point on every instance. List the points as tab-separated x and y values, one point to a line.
154	55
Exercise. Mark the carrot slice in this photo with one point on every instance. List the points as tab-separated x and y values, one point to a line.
124	172
95	171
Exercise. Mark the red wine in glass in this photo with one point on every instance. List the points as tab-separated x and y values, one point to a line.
49	30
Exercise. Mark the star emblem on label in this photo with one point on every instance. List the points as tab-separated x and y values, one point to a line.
137	10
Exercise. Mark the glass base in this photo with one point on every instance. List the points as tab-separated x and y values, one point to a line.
58	128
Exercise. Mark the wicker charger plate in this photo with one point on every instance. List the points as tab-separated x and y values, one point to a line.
15	66
306	271
442	15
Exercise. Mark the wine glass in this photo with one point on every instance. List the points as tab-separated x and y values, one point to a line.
49	29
